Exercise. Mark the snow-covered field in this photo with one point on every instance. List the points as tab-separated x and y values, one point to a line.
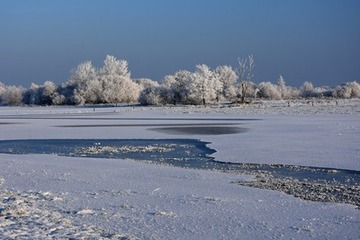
48	196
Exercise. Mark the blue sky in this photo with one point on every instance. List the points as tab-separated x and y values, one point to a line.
304	40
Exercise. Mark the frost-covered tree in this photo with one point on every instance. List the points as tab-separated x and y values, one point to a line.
282	87
40	94
245	72
355	89
2	88
47	93
152	95
2	91
287	92
227	76
114	67
59	99
81	74
308	90
349	90
269	91
117	84
67	95
12	95
251	91
110	84
31	95
132	92
146	83
204	86
176	87
85	84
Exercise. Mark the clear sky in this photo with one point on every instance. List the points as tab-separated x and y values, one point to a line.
304	40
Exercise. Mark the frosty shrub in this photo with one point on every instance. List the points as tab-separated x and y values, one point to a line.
324	92
144	83
110	84
83	84
12	95
286	92
227	78
349	90
269	91
58	99
355	89
245	90
40	95
151	96
307	90
2	91
66	95
177	87
132	92
47	93
200	87
31	95
2	88
203	86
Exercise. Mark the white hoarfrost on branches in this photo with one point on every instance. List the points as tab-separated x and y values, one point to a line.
146	83
150	92
2	91
307	90
13	95
81	74
152	96
203	86
114	67
177	87
112	83
85	84
349	90
245	71
45	94
285	91
227	76
117	84
269	91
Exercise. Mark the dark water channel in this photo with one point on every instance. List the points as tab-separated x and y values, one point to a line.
187	153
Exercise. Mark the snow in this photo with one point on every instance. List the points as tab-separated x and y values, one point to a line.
121	198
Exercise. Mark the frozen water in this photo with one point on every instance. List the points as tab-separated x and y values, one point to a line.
129	199
137	149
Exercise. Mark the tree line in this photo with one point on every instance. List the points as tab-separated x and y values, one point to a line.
112	83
